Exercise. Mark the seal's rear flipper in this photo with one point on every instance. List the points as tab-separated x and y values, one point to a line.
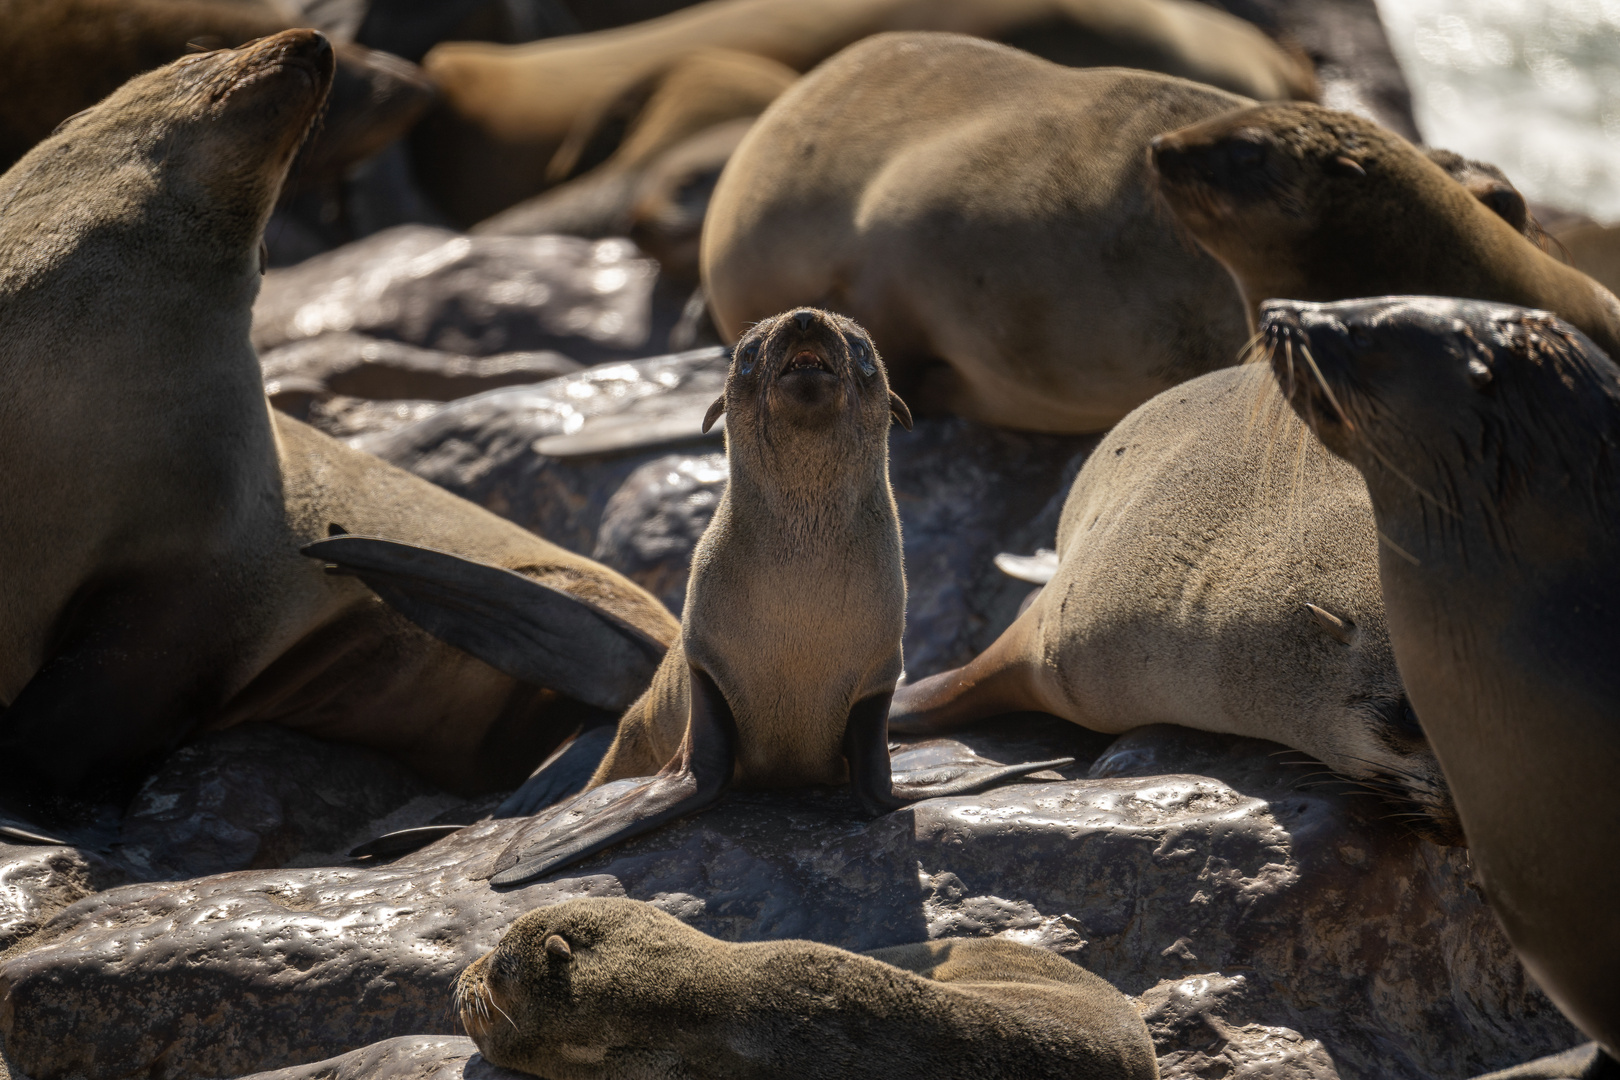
965	779
404	841
562	774
598	819
514	624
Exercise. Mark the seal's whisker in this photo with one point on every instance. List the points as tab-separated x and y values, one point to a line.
1305	351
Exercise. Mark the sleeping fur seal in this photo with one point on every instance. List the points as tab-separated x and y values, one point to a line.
600	988
60	56
1217	568
790	640
1307	203
1489	438
154	508
505	111
987	215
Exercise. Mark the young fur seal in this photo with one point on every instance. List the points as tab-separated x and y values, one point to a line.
974	205
1217	569
790	642
597	989
1489	437
154	508
1304	202
506	111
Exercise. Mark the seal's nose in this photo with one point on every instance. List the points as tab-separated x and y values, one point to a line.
803	318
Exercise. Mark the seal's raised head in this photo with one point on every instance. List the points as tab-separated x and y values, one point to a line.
806	370
209	137
1380	380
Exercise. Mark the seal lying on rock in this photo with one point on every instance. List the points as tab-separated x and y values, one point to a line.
616	988
154	509
790	642
1217	569
1489	437
1304	202
60	56
974	205
505	111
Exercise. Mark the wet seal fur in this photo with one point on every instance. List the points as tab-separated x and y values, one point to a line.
155	506
595	989
988	216
1216	568
790	643
1489	438
506	111
1308	203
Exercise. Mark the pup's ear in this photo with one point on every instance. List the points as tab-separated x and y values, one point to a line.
898	410
714	412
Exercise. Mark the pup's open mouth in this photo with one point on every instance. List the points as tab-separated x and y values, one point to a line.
807	360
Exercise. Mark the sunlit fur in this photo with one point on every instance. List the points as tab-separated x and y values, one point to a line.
636	993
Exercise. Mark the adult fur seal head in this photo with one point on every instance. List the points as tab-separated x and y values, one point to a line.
1489	437
595	988
1309	203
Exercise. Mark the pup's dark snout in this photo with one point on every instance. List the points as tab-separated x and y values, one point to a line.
804	318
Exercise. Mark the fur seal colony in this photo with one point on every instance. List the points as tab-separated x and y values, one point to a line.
1217	569
1304	202
506	111
607	988
58	57
155	507
1489	438
986	214
789	648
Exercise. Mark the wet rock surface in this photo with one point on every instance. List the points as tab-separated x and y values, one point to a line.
1176	856
472	296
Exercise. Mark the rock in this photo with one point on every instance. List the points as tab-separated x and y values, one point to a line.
1347	42
410	1057
652	523
37	881
358	366
549	456
259	796
1221	862
1196	1037
472	296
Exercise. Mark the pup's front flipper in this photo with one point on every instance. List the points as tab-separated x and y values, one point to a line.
866	748
598	819
514	624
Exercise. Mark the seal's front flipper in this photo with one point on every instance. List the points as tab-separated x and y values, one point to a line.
516	625
562	774
613	812
866	748
403	841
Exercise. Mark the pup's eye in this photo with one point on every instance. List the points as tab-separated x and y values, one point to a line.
862	354
747	357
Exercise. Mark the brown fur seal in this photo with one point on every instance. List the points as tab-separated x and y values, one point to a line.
790	640
603	988
506	110
1489	437
668	118
1593	249
972	204
1304	202
60	56
154	508
1217	569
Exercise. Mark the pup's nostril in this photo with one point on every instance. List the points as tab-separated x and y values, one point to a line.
803	318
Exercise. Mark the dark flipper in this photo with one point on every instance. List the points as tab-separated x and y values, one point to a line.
20	832
866	748
404	840
561	775
528	630
601	818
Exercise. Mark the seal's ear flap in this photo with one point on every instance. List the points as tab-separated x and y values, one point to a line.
898	410
1345	165
714	412
530	631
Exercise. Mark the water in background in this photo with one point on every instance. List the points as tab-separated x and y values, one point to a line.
1530	85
